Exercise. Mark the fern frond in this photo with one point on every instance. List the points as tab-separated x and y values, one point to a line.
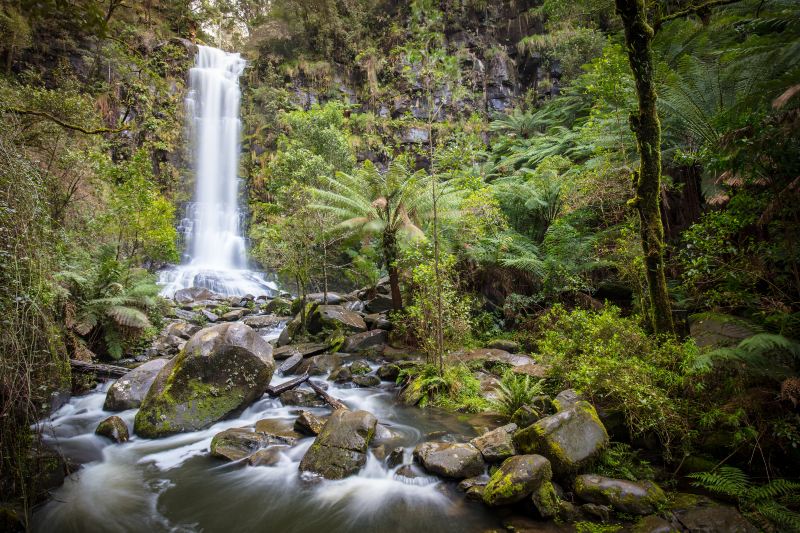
128	317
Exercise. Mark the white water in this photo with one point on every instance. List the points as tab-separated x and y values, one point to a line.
216	250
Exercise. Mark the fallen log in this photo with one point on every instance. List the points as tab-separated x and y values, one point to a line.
276	390
333	402
101	370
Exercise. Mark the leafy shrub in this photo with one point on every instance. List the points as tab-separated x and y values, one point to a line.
457	389
772	505
515	391
613	361
620	461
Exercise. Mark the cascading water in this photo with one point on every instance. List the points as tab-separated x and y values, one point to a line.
216	254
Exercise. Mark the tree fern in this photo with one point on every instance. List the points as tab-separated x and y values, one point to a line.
764	354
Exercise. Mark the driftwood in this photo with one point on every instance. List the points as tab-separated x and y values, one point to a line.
333	402
101	370
276	390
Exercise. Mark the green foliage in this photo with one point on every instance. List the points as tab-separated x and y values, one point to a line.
771	505
516	390
457	389
616	364
620	461
762	355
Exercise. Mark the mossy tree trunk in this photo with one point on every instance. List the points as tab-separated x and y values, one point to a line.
647	180
389	244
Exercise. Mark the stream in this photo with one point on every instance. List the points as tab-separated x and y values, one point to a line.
173	484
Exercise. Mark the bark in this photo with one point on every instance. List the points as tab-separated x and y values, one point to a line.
277	390
390	257
330	400
647	181
101	370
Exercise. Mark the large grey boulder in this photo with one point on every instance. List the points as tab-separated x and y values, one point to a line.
634	497
328	318
129	390
221	370
570	439
453	460
113	428
191	294
237	443
367	340
517	478
340	449
496	445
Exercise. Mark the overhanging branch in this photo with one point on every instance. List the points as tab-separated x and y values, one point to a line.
694	9
63	124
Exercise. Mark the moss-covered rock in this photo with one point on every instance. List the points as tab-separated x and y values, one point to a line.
279	306
368	380
238	443
516	479
634	497
546	500
453	460
113	428
129	390
570	438
496	445
340	449
308	424
328	318
301	398
388	372
373	340
221	370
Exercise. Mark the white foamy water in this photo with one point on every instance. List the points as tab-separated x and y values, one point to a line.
216	249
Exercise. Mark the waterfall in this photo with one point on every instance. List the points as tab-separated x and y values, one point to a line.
215	256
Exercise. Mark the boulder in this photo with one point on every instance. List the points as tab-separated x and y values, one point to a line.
182	329
335	318
262	321
279	306
266	456
698	514
388	372
526	415
368	340
278	427
546	500
221	370
301	398
395	457
319	365
516	479
634	497
496	445
368	380
340	449
341	375
566	399
381	303
569	439
129	390
208	315
319	297
308	424
191	294
304	349
506	345
360	367
453	460
291	364
237	443
113	428
233	316
378	321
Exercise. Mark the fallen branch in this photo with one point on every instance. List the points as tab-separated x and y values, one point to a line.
101	370
333	402
277	390
48	116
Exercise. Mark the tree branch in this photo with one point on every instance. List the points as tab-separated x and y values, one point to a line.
48	116
691	10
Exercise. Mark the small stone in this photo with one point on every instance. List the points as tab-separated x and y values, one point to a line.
308	424
496	445
209	316
452	460
525	416
290	365
367	381
113	428
233	316
340	375
367	340
566	399
301	398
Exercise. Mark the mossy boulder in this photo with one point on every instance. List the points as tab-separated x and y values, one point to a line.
330	318
516	479
221	370
301	398
367	380
360	367
546	500
496	445
129	390
279	306
308	424
238	443
113	428
372	340
388	372
453	460
570	439
634	497
340	449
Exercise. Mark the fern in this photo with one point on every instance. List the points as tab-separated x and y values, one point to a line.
764	354
515	391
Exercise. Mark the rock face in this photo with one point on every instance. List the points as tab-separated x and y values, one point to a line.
446	459
113	428
517	478
340	449
643	497
221	370
569	439
238	443
129	390
496	445
367	340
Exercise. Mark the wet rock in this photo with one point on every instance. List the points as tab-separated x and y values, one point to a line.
710	517
336	318
368	340
395	457
237	443
113	428
182	329
129	390
496	445
319	365
388	372
505	345
308	424
291	364
278	427
477	481
233	316
360	367
407	472
191	294
546	500
262	321
301	398
267	456
452	460
367	381
279	306
341	375
642	497
516	479
569	439
304	349
340	449
222	369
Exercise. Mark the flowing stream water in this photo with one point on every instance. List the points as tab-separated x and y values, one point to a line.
216	250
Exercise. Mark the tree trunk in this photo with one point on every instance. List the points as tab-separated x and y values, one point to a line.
390	257
647	181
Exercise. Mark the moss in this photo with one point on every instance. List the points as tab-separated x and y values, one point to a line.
546	500
501	487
